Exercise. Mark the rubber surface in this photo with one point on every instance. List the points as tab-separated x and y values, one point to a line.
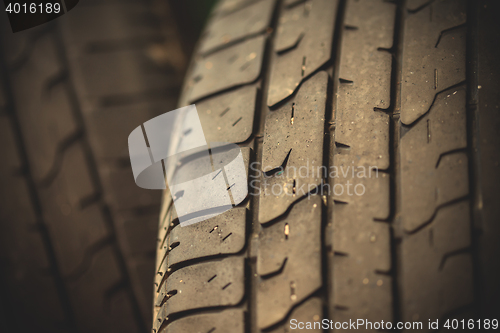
76	234
380	85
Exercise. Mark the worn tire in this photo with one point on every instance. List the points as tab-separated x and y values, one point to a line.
76	234
384	85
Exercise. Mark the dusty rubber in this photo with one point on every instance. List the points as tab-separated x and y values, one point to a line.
379	84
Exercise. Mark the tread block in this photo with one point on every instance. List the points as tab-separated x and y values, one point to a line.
222	234
120	307
413	5
94	316
44	108
290	3
304	133
356	232
433	56
228	117
100	79
303	44
121	192
192	167
247	21
141	271
310	311
123	24
140	230
363	15
109	127
226	321
429	178
362	245
19	45
365	131
285	249
360	293
210	284
166	250
437	272
201	165
237	65
62	202
363	187
226	7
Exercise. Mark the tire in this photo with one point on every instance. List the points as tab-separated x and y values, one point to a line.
388	87
76	234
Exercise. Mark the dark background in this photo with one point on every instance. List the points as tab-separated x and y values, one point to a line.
77	236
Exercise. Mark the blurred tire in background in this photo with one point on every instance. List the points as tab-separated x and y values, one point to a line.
77	236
